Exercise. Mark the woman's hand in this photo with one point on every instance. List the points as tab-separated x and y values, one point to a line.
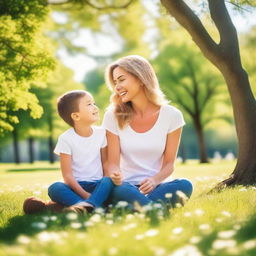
147	185
117	177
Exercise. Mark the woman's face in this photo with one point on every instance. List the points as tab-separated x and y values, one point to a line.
127	86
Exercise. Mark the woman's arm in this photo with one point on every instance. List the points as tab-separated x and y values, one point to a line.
113	162
65	165
104	158
169	156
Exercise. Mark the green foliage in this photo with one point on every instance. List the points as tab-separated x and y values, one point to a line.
189	81
93	80
24	58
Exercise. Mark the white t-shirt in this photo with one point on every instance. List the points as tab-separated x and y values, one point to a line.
85	152
142	153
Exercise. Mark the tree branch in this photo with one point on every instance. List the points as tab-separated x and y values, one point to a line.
187	18
87	2
229	45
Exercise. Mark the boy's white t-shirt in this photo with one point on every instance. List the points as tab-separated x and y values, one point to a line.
142	153
85	152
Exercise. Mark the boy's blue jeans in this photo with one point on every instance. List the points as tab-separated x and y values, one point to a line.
164	192
100	190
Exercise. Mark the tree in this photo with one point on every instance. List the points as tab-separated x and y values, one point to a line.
24	61
188	81
225	55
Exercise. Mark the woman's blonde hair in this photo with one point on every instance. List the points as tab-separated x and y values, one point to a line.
142	69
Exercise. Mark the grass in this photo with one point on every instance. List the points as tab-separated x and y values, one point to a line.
221	223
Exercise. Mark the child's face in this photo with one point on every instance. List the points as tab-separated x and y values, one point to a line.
88	111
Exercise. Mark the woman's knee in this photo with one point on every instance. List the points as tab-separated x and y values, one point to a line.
186	187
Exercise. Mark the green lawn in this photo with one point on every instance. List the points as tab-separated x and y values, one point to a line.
221	223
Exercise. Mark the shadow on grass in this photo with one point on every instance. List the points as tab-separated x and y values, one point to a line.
245	233
30	225
32	169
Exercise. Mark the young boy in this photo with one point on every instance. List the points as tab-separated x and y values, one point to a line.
83	154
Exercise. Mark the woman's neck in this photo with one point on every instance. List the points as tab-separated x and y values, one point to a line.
82	130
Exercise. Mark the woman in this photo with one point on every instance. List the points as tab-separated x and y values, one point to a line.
143	134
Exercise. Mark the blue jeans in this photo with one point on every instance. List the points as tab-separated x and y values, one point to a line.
131	194
100	190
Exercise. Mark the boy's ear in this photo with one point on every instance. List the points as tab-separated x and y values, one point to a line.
75	116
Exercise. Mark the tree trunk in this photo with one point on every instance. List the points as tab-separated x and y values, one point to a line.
31	149
244	108
50	139
183	153
50	145
16	147
201	141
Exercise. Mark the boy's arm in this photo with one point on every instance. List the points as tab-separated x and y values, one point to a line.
65	165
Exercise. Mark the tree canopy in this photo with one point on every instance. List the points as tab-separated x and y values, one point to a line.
25	59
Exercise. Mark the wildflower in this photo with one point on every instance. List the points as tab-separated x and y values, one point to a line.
187	250
219	220
187	214
37	193
243	189
226	213
45	218
53	218
237	226
121	204
226	234
129	216
199	212
157	206
222	244
177	230
204	227
168	195
139	237
71	216
115	235
88	223
147	208
39	225
109	222
129	226
76	225
250	244
180	194
112	250
99	210
22	239
158	251
195	239
109	215
151	232
48	237
95	218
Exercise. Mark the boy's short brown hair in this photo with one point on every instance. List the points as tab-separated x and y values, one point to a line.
68	103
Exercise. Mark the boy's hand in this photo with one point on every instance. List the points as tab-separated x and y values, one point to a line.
147	185
87	195
117	177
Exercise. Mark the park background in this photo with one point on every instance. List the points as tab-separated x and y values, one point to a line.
74	46
50	47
